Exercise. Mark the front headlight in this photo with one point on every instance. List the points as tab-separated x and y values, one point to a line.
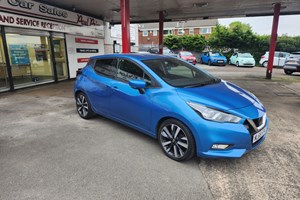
214	115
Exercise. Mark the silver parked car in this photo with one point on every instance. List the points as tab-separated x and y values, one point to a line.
292	63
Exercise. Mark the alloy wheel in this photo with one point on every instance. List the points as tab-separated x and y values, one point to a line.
174	141
82	105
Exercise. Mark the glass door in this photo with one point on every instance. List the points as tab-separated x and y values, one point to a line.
30	57
60	56
4	84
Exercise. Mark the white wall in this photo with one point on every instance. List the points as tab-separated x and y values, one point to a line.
88	43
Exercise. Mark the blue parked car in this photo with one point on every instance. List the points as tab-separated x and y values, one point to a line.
213	58
189	111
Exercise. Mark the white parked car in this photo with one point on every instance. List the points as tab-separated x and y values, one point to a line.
279	59
242	59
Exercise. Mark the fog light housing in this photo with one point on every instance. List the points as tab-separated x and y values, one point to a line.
220	146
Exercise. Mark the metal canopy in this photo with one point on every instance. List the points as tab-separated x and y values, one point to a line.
177	10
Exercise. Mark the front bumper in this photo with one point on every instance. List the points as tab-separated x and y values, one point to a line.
191	61
235	135
292	67
247	64
218	62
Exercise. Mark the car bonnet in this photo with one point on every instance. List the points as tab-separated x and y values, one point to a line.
222	96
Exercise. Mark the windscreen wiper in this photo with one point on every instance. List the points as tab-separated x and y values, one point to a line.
213	81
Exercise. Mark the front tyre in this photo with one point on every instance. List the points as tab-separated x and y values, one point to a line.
176	140
83	106
209	63
237	64
288	72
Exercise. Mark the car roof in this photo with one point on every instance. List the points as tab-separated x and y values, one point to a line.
135	56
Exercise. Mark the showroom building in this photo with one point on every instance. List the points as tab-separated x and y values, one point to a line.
40	43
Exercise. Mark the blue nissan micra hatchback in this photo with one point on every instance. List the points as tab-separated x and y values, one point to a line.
189	111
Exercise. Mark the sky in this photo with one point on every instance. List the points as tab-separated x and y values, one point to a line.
288	24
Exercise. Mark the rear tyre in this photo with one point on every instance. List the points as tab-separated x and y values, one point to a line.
265	64
200	61
229	63
288	72
83	106
176	140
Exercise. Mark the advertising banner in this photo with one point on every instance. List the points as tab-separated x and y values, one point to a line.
19	54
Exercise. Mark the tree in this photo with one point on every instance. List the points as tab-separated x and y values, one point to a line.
241	26
186	42
237	35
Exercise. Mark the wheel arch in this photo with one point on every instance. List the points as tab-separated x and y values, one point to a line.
159	123
82	91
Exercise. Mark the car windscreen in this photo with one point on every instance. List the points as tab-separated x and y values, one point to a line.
215	54
179	73
186	53
295	55
167	51
245	55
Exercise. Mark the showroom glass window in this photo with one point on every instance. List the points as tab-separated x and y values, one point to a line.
4	83
29	54
60	56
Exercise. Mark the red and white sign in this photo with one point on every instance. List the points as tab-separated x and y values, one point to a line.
86	41
76	57
83	60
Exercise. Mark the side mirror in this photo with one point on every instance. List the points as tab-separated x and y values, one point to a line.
138	84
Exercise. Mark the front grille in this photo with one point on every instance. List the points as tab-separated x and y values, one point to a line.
249	127
255	125
258	122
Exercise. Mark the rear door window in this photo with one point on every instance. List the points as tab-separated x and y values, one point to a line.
106	67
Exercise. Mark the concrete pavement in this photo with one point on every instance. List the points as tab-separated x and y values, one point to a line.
48	152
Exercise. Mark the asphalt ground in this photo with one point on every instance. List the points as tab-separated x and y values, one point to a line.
48	152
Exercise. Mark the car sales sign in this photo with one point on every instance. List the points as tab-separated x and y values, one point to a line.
44	11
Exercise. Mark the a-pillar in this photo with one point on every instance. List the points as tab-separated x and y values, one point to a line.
273	40
125	22
161	32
